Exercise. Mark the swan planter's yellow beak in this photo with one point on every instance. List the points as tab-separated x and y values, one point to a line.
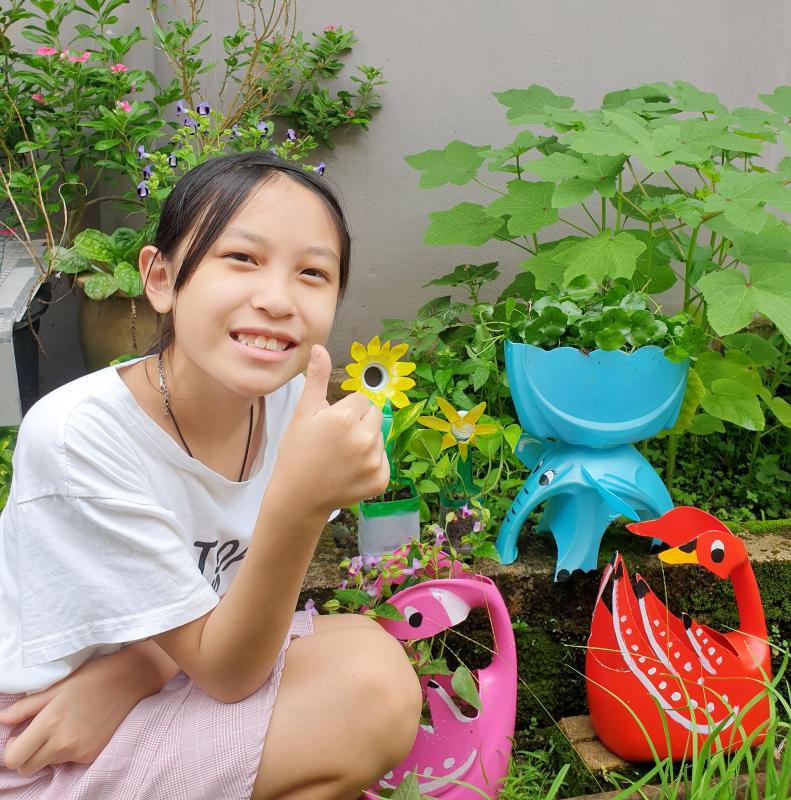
686	554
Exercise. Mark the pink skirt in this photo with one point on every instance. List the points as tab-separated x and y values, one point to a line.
179	744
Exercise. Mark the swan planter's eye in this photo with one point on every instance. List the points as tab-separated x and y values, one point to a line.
547	478
413	617
717	551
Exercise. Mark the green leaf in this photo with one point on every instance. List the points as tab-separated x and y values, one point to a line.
732	299
70	261
409	789
405	417
95	245
465	687
602	257
352	597
690	98
781	409
128	279
467	274
427	486
779	100
529	105
733	402
458	163
525	141
758	349
522	287
579	177
741	197
386	611
528	205
704	425
426	444
694	393
466	223
100	286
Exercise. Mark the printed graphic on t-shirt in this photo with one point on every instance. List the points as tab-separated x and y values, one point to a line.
213	560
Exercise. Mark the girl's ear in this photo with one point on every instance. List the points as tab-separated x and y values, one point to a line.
157	279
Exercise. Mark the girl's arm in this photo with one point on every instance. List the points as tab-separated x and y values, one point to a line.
329	456
75	718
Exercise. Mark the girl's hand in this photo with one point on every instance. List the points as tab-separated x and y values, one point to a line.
75	718
334	454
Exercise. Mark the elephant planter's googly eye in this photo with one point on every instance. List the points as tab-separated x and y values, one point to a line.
547	478
413	617
375	377
717	551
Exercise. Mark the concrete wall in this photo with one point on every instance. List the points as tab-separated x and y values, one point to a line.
442	61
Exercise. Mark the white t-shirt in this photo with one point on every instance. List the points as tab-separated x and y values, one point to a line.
112	533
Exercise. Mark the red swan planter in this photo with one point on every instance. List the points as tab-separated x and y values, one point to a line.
456	747
640	657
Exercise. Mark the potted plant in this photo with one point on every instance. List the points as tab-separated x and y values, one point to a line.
391	520
659	184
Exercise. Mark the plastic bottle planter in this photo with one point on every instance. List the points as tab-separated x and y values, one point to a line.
384	526
580	413
641	658
456	747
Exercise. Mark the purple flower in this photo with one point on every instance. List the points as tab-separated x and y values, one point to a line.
372	589
310	605
190	123
292	137
235	130
141	152
321	167
147	170
263	127
370	561
203	108
355	565
476	526
142	189
181	107
466	511
172	160
343	584
439	534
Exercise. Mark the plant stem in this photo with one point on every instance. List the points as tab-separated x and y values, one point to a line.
590	217
688	266
670	465
576	227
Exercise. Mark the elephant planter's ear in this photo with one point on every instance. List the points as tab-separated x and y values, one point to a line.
620	507
529	450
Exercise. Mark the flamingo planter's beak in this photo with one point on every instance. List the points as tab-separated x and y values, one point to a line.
686	554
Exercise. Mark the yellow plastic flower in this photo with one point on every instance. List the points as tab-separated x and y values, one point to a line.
377	372
461	427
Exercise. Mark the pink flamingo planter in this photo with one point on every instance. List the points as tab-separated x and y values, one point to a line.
455	747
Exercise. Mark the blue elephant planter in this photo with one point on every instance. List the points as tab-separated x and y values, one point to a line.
580	413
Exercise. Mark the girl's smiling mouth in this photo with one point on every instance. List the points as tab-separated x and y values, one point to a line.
262	342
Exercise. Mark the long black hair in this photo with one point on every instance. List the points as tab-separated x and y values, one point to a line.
206	198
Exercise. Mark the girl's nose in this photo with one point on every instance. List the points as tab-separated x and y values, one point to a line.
274	295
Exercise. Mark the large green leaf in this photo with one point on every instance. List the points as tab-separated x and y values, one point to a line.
705	424
525	141
528	205
547	270
128	279
528	105
466	223
602	257
579	176
95	245
733	402
732	299
741	197
100	286
779	100
458	163
690	98
781	409
465	687
758	349
694	393
770	246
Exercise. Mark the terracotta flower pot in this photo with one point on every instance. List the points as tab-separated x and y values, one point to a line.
114	327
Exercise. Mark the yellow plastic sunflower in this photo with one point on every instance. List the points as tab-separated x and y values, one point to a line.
460	427
377	372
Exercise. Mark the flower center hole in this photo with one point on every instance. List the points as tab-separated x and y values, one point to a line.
375	377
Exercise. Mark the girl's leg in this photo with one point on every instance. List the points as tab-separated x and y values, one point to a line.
346	712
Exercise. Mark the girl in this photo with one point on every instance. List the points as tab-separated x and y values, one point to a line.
162	517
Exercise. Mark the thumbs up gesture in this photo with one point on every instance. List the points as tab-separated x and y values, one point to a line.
331	455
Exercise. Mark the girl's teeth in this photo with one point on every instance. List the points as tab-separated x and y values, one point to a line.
263	343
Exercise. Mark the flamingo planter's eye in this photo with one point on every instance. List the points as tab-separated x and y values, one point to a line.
717	551
547	478
413	617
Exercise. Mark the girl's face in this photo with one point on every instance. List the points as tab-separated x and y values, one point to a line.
264	293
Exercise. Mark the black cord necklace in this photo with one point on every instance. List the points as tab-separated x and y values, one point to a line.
163	388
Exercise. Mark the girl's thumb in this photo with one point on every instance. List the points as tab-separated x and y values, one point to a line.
317	378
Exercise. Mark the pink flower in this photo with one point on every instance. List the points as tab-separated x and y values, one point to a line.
329	28
119	68
465	511
355	565
310	605
124	105
46	51
476	526
39	98
81	59
349	112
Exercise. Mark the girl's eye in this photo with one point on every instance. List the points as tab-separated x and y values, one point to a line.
314	272
239	257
